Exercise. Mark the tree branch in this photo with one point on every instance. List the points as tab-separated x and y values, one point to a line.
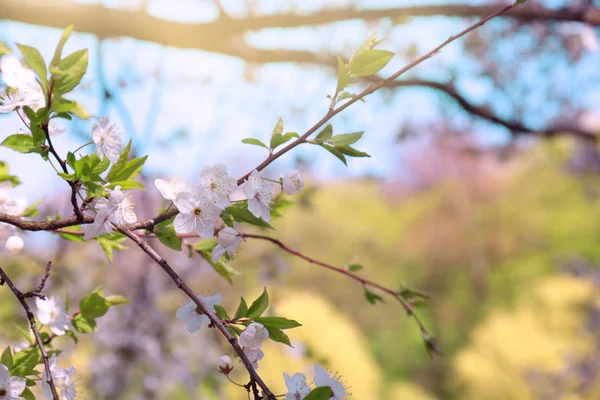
21	297
146	248
216	36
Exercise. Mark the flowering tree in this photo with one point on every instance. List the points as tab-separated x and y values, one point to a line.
103	210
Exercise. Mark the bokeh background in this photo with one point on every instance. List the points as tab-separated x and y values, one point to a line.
482	190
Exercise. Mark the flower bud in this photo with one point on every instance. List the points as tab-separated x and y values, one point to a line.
225	365
14	244
292	182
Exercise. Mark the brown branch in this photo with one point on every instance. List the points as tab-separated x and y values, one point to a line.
37	292
396	294
21	297
373	88
215	321
217	35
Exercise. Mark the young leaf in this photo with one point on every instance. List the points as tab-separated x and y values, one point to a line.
120	164
25	361
205	244
259	305
108	243
83	324
255	142
35	61
369	62
31	210
221	313
93	306
278	336
220	268
335	152
351	152
277	322
116	300
21	143
242	310
6	358
325	134
372	297
129	171
70	71
61	44
167	236
345	139
320	393
277	137
354	267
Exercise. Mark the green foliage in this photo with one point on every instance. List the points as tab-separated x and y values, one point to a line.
277	322
5	176
21	143
36	62
239	212
93	306
167	236
255	142
61	43
372	297
342	76
320	393
6	358
369	62
24	362
354	267
108	243
221	313
31	210
259	305
224	270
242	310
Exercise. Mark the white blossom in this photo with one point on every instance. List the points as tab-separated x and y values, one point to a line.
51	313
107	139
20	346
292	182
14	73
228	241
196	214
11	387
192	314
9	204
259	193
322	378
225	365
119	209
170	189
14	244
218	184
296	386
62	379
253	336
16	99
254	356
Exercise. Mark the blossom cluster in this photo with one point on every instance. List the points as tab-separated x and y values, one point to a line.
298	389
10	204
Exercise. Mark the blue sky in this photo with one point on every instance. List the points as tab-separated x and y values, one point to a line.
214	101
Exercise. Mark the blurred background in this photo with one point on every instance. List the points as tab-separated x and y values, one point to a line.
482	190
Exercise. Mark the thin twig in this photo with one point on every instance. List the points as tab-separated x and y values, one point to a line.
21	297
215	321
37	292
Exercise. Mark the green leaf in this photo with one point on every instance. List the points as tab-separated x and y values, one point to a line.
320	393
259	305
21	143
351	152
205	244
325	134
35	61
80	111
108	243
4	50
342	75
32	115
345	139
126	185
61	43
234	330
25	334
116	300
220	311
372	297
277	322
369	62
32	211
70	71
129	171
72	335
38	135
93	306
347	95
277	137
278	336
120	164
83	324
242	310
27	394
240	213
335	152
72	237
25	361
6	358
220	267
167	236
255	142
354	267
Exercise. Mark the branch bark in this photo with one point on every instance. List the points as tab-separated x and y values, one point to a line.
216	36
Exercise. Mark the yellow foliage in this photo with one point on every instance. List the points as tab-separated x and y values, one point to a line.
330	336
540	334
